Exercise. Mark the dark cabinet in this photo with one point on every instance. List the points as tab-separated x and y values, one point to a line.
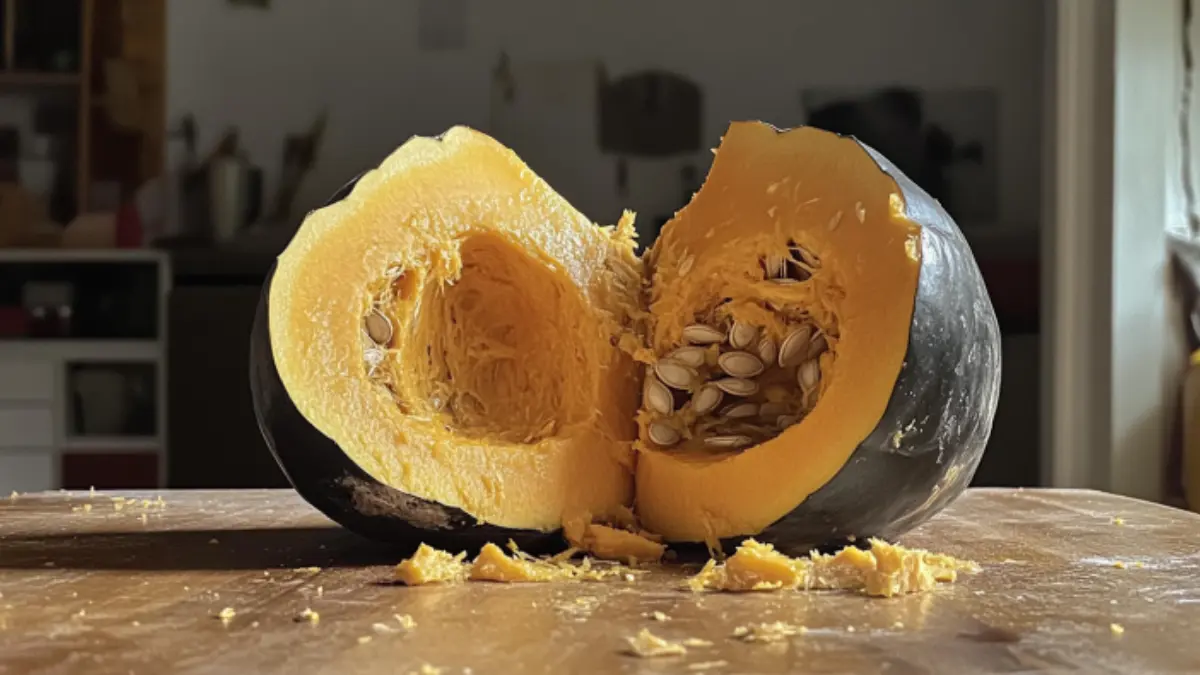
212	434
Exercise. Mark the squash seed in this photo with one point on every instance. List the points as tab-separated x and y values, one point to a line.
742	335
658	398
378	327
816	347
740	364
785	421
775	266
772	410
706	399
700	334
794	347
808	374
766	350
689	356
661	433
675	374
736	386
732	442
740	411
810	261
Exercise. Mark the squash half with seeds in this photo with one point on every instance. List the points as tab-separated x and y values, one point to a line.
449	352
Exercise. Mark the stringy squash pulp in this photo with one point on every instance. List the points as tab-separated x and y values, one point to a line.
468	338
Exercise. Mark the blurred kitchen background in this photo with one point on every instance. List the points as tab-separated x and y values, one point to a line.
155	155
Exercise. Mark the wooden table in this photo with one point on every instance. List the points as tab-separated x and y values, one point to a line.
138	590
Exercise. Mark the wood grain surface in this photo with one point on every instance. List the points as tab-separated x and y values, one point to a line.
140	589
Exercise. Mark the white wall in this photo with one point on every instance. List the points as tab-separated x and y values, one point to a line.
271	72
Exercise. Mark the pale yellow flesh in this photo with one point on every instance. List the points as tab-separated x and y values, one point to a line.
516	303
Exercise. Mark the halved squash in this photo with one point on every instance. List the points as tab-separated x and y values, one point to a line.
449	351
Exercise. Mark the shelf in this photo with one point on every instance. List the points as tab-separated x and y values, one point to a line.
69	255
34	78
77	351
107	444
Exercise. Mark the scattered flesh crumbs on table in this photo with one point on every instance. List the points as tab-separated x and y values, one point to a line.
226	615
768	632
406	621
883	570
307	570
427	669
657	616
1118	521
705	665
309	616
431	565
696	642
648	645
364	639
1116	628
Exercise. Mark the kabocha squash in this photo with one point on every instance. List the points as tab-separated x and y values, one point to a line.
449	352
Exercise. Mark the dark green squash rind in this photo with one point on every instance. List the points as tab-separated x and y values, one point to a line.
336	486
925	449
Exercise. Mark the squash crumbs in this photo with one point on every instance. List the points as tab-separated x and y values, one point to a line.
430	565
884	570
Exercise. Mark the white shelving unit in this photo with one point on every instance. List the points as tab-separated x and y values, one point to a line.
35	394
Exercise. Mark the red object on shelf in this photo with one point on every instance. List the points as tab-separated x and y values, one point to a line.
14	321
110	471
129	226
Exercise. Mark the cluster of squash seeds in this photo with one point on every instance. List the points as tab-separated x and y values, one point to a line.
735	385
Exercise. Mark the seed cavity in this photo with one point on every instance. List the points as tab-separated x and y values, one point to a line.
774	383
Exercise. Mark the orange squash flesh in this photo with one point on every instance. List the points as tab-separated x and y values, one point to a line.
508	389
500	393
764	190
